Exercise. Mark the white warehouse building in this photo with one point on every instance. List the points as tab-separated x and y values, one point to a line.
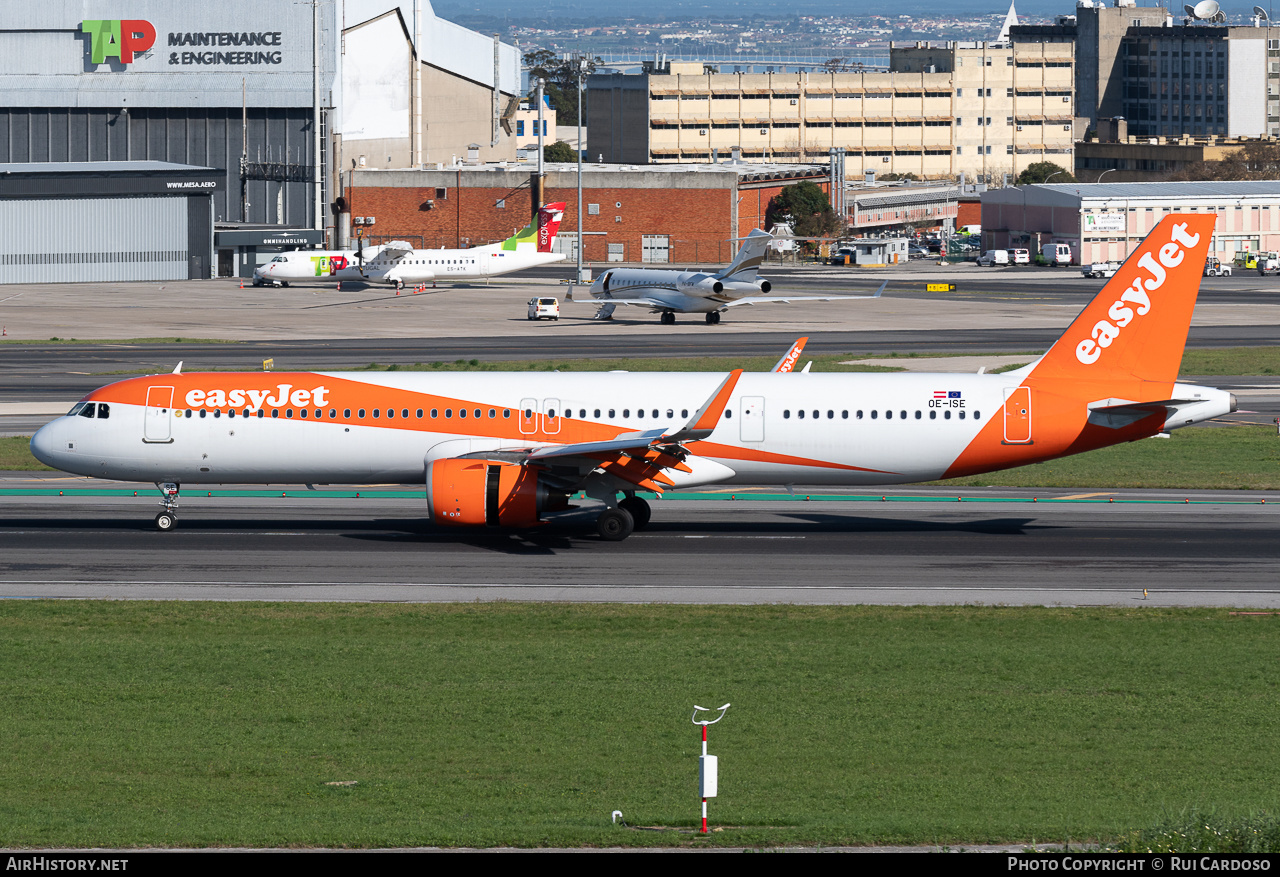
1106	221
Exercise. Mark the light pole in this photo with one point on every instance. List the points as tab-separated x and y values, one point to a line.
582	75
1098	179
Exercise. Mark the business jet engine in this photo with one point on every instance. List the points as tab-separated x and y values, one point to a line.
703	285
466	492
748	287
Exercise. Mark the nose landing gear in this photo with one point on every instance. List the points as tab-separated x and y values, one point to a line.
168	519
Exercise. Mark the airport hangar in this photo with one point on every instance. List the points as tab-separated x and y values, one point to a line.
631	213
295	90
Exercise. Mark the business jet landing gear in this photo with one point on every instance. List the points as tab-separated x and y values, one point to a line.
637	508
168	519
615	524
713	317
668	318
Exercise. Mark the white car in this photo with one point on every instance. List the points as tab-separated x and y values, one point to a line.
1100	269
544	307
992	258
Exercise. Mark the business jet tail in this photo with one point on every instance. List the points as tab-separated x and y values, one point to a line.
749	259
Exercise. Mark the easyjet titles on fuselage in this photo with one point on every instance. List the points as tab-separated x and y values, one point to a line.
255	399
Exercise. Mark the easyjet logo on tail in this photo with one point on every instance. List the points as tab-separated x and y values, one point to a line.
1135	301
284	395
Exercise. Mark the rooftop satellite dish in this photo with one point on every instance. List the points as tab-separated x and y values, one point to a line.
1206	9
1220	17
1260	13
1190	10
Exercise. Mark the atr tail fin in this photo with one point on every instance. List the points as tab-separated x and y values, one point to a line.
549	217
750	257
542	233
1136	327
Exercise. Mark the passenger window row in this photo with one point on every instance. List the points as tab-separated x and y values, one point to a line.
875	414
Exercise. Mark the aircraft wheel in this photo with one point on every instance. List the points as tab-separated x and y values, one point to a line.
668	318
166	521
638	509
614	525
285	284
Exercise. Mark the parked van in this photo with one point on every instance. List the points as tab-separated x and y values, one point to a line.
1019	257
1056	255
992	258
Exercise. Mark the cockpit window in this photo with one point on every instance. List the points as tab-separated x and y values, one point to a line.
89	409
280	259
104	410
75	409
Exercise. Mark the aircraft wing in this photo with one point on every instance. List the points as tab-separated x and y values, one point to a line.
786	299
637	302
638	458
396	249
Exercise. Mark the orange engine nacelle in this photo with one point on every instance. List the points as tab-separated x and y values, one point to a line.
477	493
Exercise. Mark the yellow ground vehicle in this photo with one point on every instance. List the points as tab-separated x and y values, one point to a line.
1246	260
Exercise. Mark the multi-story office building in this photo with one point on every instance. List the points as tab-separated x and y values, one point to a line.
981	109
1169	75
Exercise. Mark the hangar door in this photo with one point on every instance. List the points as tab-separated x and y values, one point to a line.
93	239
655	248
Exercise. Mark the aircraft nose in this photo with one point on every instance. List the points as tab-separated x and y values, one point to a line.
44	444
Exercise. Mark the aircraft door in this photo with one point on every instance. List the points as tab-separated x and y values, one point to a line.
158	421
483	262
1017	416
528	416
751	413
551	416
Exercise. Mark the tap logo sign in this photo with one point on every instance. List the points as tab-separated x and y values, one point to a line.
118	39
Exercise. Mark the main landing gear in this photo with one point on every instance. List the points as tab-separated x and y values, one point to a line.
168	519
615	524
668	318
713	318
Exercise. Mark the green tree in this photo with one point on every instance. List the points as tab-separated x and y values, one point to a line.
808	210
1259	160
1041	171
559	151
561	75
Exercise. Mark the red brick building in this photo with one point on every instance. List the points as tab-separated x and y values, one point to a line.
667	213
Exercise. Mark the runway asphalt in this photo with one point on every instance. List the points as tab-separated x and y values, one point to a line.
917	546
995	547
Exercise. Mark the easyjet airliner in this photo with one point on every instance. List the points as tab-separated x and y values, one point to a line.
397	263
505	450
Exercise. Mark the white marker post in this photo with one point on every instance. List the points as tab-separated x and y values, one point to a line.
708	765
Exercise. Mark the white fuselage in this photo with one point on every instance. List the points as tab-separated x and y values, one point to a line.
360	428
685	292
400	267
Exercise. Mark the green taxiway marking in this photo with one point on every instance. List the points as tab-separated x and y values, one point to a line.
417	493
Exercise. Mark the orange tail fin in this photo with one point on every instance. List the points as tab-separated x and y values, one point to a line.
1136	327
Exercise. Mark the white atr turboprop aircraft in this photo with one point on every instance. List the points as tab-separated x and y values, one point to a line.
669	292
398	263
500	449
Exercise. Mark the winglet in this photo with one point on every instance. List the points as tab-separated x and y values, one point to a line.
704	420
881	289
789	359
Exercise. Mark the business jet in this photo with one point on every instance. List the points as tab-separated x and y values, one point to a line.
669	292
508	449
398	263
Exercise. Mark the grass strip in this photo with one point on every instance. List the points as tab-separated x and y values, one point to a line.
15	455
200	724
